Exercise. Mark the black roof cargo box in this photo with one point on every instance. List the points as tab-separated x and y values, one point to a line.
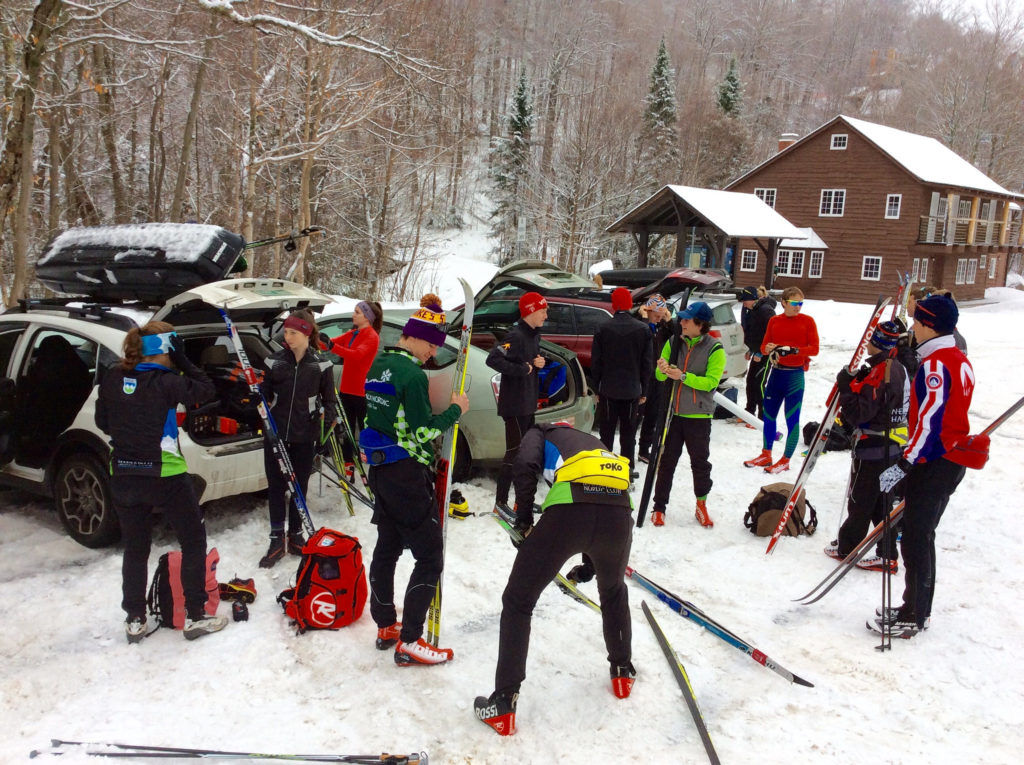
150	262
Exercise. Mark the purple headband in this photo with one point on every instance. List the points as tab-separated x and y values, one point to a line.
367	311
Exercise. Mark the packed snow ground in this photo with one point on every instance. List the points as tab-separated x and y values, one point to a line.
953	694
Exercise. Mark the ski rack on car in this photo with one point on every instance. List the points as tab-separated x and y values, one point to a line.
99	312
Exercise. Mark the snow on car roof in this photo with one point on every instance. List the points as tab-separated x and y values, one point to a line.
179	241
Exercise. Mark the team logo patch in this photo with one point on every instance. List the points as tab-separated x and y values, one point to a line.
933	381
128	385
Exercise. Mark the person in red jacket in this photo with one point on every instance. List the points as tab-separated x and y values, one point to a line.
357	348
789	342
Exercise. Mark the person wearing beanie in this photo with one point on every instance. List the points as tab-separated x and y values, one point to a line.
297	383
517	357
621	364
929	467
698	366
758	309
398	443
357	348
876	401
789	342
659	322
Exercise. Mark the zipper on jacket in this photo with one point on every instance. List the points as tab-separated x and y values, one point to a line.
291	403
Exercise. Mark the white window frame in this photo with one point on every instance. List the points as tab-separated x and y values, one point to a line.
992	267
961	270
794	263
972	270
924	270
816	264
743	260
983	262
767	196
836	200
890	201
871	264
839	141
915	271
782	263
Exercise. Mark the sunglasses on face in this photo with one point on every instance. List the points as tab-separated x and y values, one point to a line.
795	303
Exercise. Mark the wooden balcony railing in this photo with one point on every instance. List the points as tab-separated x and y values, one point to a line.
933	230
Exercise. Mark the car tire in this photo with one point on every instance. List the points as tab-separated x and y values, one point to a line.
81	493
463	461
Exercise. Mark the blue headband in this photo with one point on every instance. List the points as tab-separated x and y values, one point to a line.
154	345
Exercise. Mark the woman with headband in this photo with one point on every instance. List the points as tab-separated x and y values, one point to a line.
137	407
357	348
297	383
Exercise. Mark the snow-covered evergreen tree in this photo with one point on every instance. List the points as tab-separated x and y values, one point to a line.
658	144
510	168
730	92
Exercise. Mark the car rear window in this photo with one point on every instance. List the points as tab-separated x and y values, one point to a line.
589	319
722	314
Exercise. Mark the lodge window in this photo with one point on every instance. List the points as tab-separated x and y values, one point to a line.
915	271
871	268
789	263
992	267
816	265
839	141
832	203
961	270
924	270
984	261
892	206
748	260
972	270
767	196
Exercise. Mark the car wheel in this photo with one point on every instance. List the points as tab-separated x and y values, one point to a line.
463	461
81	492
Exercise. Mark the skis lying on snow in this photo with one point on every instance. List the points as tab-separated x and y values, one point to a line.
821	434
660	427
684	683
561	582
833	578
110	749
694	614
277	446
443	486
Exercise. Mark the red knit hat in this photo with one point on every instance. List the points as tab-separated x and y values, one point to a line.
622	299
531	302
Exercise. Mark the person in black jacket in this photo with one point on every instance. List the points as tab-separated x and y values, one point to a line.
578	517
518	358
758	309
877	401
621	363
137	407
659	322
297	384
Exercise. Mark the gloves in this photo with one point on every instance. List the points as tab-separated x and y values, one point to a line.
785	350
523	527
325	342
844	378
180	360
892	475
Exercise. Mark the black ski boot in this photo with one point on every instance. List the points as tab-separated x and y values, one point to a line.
498	711
275	551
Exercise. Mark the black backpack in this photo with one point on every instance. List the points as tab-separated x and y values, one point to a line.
840	437
765	510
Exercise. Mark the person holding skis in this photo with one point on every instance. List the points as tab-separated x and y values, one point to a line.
789	342
137	407
698	368
876	401
659	322
758	310
357	348
930	467
397	441
298	382
518	360
620	363
578	517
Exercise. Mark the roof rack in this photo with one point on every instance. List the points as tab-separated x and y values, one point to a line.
98	312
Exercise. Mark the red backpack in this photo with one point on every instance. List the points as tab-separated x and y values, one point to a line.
167	598
330	586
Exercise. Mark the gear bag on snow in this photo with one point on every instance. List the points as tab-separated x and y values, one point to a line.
597	467
330	585
765	510
166	598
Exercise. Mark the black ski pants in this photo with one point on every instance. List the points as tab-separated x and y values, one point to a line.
927	487
301	456
695	434
604	533
135	498
622	414
650	413
866	505
515	429
755	386
405	513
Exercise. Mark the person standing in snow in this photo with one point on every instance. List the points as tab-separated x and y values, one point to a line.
298	382
518	360
789	342
137	407
758	310
397	442
621	364
357	348
577	518
659	322
876	401
930	467
698	367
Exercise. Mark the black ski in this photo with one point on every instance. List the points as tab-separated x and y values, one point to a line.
684	684
112	749
661	428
